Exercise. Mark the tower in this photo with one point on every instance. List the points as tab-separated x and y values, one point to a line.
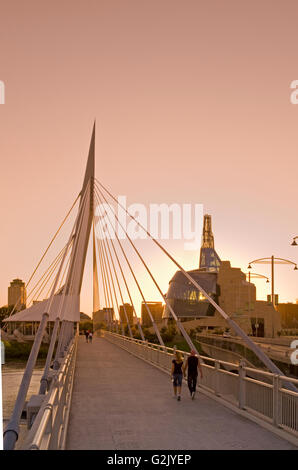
17	294
209	259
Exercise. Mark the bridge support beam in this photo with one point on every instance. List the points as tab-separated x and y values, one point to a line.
11	432
44	379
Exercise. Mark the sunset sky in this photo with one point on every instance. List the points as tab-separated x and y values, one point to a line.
192	105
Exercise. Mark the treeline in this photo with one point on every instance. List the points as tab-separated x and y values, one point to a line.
20	351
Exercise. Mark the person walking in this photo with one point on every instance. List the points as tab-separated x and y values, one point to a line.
192	365
86	335
90	336
177	374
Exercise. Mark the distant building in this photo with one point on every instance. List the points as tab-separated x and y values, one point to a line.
209	259
275	298
105	315
234	295
182	296
17	294
289	315
129	314
238	299
228	287
156	310
186	300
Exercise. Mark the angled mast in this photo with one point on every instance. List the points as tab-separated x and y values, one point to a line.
83	225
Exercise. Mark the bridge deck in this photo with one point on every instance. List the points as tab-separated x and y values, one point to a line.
120	402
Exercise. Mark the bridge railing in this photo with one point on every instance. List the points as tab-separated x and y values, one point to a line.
258	392
49	428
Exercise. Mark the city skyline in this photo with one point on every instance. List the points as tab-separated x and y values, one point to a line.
147	288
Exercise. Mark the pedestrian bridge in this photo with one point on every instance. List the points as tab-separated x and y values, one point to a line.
117	394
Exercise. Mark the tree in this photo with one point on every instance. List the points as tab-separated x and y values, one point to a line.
126	330
172	330
83	316
5	311
100	326
192	333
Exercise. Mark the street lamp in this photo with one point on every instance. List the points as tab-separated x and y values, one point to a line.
271	261
294	241
254	276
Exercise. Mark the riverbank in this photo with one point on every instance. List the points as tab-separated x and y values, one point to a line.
19	352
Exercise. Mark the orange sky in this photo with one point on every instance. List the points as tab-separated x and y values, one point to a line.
192	102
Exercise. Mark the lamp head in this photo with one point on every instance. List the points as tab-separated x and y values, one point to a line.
267	280
294	242
295	269
249	266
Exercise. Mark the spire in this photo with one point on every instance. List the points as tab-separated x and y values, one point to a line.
89	172
209	259
84	222
207	237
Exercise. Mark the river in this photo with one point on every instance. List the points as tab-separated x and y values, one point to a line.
12	374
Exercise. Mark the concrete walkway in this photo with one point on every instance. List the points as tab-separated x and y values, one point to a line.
120	403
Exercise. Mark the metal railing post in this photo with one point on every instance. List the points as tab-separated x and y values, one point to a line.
242	385
216	378
276	400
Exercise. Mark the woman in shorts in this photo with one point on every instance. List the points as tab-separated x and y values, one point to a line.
177	374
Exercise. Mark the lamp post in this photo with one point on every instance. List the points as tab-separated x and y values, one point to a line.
254	276
271	261
294	241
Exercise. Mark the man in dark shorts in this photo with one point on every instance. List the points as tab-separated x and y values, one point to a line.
192	364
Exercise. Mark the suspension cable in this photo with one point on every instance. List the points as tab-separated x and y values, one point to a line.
107	278
119	288
118	284
132	272
45	282
124	279
180	326
103	282
45	252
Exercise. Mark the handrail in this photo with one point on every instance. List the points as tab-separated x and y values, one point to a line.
50	424
258	399
206	358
